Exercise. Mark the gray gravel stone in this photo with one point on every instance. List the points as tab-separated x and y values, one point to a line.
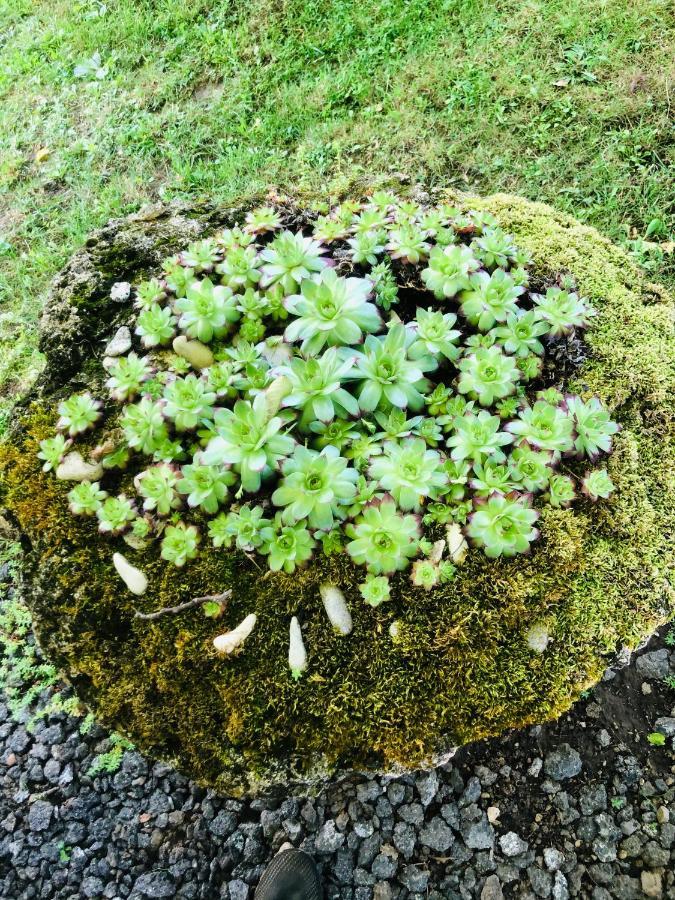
344	866
369	850
384	866
91	887
396	793
238	890
511	844
155	884
328	839
562	763
437	835
553	858
415	878
411	813
427	787
560	889
40	815
541	881
479	836
653	664
404	839
666	725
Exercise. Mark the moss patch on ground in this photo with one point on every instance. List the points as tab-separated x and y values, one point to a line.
460	667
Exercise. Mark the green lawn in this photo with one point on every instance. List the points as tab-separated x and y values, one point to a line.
568	101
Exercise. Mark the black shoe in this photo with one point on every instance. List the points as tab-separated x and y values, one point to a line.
292	875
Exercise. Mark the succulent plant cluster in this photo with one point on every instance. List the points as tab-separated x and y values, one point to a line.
287	398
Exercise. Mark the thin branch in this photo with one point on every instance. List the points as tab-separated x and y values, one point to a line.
182	607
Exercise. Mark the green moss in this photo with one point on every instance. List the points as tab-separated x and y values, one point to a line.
459	668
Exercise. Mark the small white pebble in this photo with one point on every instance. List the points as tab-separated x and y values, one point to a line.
134	579
73	468
120	343
120	291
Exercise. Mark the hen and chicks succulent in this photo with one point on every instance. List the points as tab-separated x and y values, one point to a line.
337	414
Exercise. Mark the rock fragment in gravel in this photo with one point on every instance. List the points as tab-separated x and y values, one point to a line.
553	859
479	836
652	884
653	664
405	839
511	844
415	878
542	882
666	725
427	787
328	840
562	763
492	889
40	815
412	813
436	835
155	885
238	889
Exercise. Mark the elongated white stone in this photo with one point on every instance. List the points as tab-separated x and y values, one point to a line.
197	354
230	641
297	655
336	608
134	579
457	545
73	468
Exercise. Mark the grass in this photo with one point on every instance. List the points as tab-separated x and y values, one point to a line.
106	106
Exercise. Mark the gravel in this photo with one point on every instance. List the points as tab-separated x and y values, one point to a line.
581	808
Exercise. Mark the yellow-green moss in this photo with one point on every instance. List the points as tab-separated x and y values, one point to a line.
459	668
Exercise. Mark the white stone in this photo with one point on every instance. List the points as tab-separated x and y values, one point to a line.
537	637
134	579
336	608
493	814
457	545
230	641
73	468
120	343
197	354
297	655
120	291
437	551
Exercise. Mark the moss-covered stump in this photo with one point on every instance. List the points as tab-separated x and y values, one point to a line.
460	666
